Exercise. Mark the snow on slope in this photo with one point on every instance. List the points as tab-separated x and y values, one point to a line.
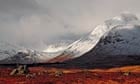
89	42
85	44
122	40
8	50
10	53
124	21
54	48
28	57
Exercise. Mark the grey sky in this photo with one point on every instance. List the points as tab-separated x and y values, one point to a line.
35	22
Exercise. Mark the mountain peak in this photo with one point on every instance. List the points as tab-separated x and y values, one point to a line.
127	16
119	34
123	19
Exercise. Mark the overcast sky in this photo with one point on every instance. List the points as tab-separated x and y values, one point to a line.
33	23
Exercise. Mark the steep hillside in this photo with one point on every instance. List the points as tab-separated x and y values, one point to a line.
117	37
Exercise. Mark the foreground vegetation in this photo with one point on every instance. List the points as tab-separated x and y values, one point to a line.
43	75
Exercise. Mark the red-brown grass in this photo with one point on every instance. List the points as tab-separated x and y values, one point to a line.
44	75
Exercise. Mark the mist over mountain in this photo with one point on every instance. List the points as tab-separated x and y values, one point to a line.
37	23
116	37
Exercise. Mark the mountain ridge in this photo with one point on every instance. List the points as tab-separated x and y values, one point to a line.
107	36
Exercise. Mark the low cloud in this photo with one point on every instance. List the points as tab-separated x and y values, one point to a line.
33	23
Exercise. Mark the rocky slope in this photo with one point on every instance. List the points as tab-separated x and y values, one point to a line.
116	37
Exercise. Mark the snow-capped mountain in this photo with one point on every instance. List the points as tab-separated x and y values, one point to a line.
124	21
117	47
116	36
123	38
11	54
121	32
8	50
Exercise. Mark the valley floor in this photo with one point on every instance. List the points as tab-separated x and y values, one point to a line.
44	75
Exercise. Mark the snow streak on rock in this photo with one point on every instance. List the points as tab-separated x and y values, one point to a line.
110	30
87	43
